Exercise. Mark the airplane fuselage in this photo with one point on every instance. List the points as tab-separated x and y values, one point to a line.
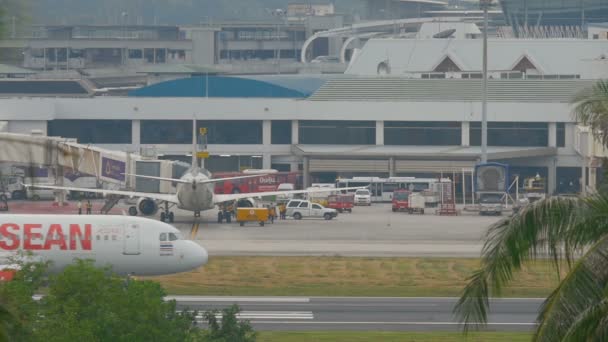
130	245
195	196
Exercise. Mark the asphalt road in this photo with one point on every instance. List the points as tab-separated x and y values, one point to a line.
357	313
368	231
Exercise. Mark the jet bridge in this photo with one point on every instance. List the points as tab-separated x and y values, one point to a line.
107	166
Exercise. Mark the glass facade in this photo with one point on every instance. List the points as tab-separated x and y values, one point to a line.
337	132
568	180
232	131
419	133
281	132
166	132
92	131
531	134
232	163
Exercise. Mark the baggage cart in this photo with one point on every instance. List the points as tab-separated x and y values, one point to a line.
259	215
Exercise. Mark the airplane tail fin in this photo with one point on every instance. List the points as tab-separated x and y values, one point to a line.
195	165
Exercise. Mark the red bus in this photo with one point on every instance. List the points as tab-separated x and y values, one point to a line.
268	180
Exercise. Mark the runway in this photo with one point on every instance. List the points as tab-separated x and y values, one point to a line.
368	231
364	313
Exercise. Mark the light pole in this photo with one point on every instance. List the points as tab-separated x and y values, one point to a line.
484	93
279	13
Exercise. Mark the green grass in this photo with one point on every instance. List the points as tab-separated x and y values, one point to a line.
344	276
354	336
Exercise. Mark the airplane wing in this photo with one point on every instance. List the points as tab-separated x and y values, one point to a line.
220	198
171	198
207	181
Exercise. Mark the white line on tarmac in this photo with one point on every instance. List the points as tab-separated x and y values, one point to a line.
239	299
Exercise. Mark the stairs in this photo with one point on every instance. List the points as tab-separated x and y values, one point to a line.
111	201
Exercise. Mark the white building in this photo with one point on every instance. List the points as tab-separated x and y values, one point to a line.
359	124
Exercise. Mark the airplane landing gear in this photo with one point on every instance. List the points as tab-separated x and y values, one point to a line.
167	215
224	215
133	211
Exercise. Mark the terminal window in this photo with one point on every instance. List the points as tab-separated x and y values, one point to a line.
421	133
280	132
337	132
166	132
232	131
92	131
533	134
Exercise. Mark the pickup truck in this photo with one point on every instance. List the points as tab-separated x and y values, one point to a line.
301	208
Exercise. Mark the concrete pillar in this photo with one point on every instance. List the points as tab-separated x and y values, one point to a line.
391	167
306	172
267	132
136	135
295	132
266	161
552	176
379	132
552	134
592	179
569	136
465	133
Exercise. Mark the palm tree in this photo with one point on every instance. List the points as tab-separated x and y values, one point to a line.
569	231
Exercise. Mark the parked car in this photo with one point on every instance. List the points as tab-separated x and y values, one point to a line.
363	197
302	208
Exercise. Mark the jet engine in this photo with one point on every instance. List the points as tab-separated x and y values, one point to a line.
147	206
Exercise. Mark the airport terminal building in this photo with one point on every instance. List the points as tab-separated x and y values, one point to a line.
394	113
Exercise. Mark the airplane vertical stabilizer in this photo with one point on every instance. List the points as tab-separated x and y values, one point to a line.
195	165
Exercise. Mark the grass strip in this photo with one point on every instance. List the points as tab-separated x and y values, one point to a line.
346	276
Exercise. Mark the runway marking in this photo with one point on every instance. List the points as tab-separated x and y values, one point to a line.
239	299
249	315
194	230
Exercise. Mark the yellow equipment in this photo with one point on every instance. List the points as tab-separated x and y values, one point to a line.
259	215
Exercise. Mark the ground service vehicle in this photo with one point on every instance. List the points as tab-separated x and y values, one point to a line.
268	180
401	200
490	204
416	203
302	208
382	188
341	202
259	215
363	197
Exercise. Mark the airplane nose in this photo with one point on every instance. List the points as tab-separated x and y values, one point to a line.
198	255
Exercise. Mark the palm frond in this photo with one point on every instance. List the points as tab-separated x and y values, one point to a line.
543	227
591	324
572	303
591	109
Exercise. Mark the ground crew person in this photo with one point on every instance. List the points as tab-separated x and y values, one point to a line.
89	207
79	205
282	210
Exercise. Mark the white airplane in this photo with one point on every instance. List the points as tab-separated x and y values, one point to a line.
194	193
130	245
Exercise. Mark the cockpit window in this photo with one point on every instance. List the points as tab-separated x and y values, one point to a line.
163	236
173	237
